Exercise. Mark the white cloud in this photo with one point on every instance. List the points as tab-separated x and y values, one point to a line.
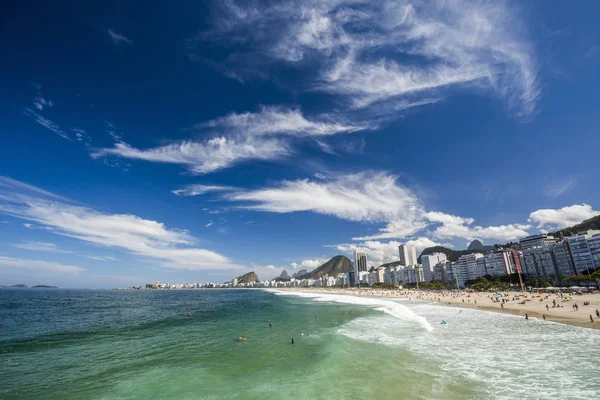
371	51
139	236
45	122
196	190
308	264
40	246
206	156
16	264
209	224
280	120
118	38
458	227
367	196
562	217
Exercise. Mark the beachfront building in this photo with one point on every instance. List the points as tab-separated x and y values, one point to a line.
540	240
468	265
363	277
580	251
429	262
360	265
594	245
563	259
440	271
539	262
408	274
454	275
408	254
500	263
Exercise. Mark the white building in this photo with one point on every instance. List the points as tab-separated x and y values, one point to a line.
540	240
499	263
408	254
469	268
429	262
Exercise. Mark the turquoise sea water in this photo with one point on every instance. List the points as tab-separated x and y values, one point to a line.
88	344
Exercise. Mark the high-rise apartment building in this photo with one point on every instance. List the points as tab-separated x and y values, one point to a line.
594	245
580	251
360	264
469	268
429	262
408	254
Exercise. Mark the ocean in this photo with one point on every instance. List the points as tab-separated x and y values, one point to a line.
102	344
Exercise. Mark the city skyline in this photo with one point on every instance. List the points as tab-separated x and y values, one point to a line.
258	138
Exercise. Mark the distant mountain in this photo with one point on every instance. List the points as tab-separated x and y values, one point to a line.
452	255
283	277
477	245
592	223
337	265
43	287
300	273
390	264
247	278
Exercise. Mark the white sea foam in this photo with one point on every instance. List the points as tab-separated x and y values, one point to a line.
509	356
393	308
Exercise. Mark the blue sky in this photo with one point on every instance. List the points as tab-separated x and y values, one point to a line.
190	142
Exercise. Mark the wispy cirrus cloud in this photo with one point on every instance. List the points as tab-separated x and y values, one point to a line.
278	120
9	263
260	136
374	51
559	186
40	246
196	190
118	38
368	196
102	258
138	236
39	104
202	157
45	122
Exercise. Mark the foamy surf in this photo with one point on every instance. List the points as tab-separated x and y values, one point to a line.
392	308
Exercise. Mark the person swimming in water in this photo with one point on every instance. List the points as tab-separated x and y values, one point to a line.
242	338
292	340
443	323
189	314
270	326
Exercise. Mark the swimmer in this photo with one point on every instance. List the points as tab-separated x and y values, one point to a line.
242	338
292	340
270	326
189	314
443	323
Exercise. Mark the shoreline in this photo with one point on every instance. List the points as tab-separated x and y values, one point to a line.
534	307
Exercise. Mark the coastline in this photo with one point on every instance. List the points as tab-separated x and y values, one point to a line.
534	307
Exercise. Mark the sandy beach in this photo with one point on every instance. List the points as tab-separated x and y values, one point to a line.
548	306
